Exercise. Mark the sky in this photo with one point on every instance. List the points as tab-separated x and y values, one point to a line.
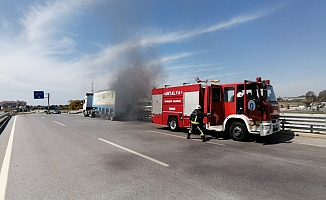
61	47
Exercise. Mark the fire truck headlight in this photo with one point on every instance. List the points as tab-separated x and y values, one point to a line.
266	127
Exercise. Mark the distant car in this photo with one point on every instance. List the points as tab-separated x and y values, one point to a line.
57	112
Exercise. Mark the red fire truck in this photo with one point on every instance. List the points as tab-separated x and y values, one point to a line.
248	107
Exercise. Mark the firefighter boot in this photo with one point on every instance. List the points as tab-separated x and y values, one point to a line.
188	135
203	138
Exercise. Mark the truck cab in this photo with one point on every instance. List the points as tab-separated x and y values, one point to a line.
88	104
242	108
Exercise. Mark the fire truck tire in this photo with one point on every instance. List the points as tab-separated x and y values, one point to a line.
238	131
173	124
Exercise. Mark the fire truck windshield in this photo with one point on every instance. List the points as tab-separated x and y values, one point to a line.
270	94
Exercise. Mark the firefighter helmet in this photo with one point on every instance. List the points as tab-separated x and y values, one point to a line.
240	94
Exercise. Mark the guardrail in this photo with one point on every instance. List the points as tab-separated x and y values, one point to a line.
313	124
3	117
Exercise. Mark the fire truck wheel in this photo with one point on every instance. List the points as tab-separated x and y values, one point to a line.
238	131
173	124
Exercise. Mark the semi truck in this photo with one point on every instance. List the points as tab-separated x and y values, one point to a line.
101	103
239	109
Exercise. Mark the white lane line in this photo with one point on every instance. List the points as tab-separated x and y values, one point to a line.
43	117
59	123
316	145
136	153
6	162
184	137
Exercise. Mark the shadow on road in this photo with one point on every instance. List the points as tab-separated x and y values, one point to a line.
4	124
276	138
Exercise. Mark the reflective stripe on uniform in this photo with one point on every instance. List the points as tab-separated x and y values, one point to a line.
201	132
195	121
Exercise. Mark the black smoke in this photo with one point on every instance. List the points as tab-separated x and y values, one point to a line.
134	81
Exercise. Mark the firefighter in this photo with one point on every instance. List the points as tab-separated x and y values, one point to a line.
196	120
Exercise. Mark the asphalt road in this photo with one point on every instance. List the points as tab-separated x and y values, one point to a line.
72	157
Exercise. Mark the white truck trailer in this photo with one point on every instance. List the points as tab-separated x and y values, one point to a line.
101	103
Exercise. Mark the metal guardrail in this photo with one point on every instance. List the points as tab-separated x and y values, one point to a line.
3	117
313	124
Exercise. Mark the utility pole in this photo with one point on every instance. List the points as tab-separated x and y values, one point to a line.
48	97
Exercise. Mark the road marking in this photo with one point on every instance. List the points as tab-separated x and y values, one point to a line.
43	117
136	153
316	145
59	123
184	137
6	162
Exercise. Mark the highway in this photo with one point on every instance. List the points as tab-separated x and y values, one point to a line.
73	157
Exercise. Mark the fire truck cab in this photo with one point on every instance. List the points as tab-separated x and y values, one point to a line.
248	107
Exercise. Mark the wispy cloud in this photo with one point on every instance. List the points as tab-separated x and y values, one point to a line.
45	25
31	58
186	34
167	59
111	54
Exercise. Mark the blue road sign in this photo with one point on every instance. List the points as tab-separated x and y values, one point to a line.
38	94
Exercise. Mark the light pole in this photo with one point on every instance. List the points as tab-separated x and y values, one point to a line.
48	97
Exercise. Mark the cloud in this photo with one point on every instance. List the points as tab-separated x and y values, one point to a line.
171	58
44	25
187	34
27	62
111	55
36	57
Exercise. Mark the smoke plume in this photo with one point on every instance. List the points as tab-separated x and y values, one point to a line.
134	81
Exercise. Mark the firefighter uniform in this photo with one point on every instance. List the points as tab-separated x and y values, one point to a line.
196	120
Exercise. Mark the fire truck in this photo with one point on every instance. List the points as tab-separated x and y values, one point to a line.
239	109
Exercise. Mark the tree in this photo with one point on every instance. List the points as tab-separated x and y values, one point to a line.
310	97
76	105
322	96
